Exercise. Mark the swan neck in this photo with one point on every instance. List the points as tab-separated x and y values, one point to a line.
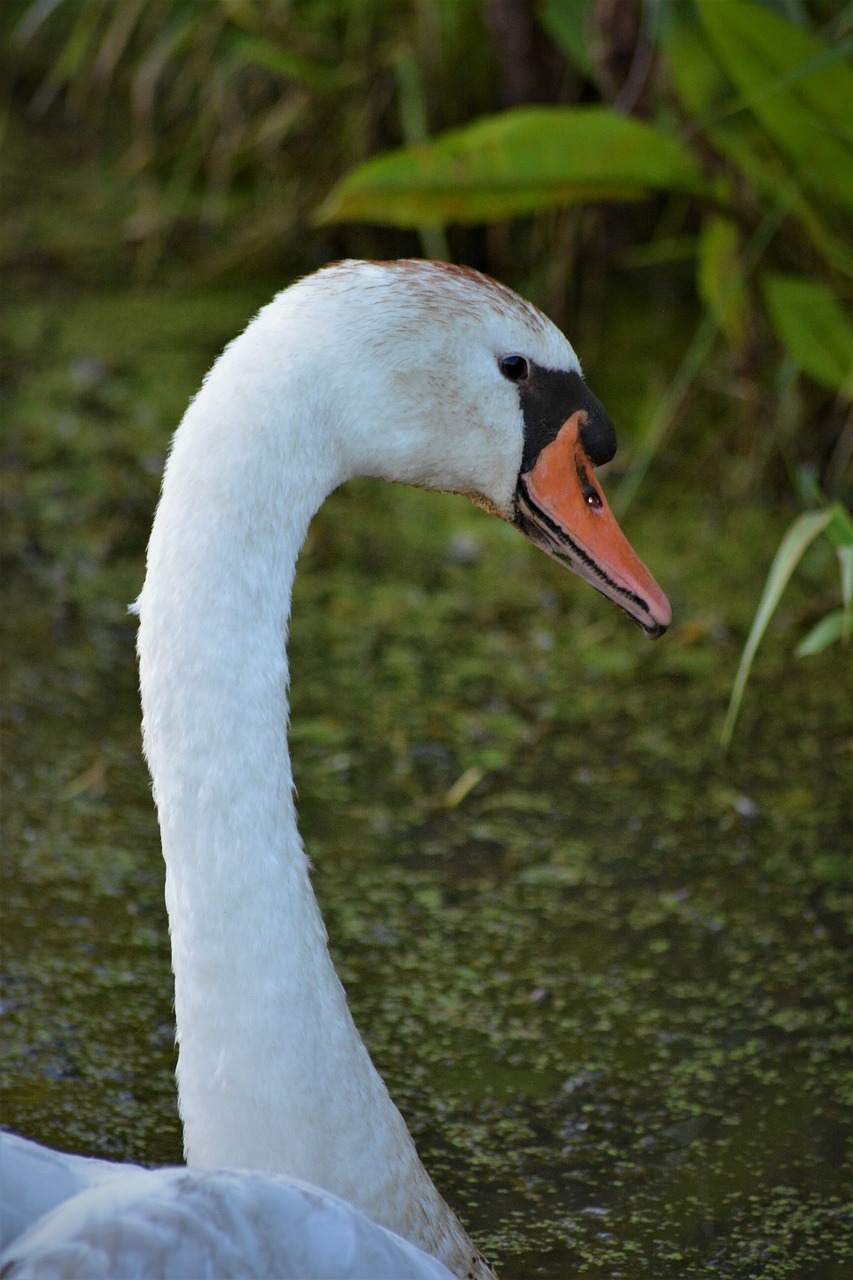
272	1074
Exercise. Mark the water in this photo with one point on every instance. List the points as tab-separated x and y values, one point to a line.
609	988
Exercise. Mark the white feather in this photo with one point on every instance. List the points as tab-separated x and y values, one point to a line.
102	1222
363	368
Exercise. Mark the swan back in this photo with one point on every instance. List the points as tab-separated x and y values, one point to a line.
126	1223
34	1180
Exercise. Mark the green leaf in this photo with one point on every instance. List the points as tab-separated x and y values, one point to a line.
792	548
695	73
840	528
734	133
289	66
660	251
795	84
845	564
512	164
567	22
810	323
720	278
822	635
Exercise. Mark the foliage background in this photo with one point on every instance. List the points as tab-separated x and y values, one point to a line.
213	133
219	135
681	942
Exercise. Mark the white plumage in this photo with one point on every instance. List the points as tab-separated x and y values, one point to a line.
95	1221
396	370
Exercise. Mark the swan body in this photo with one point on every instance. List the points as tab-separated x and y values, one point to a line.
416	372
121	1222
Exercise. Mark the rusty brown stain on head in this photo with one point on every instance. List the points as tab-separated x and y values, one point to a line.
469	290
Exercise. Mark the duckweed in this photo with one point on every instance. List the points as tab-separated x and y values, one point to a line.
608	985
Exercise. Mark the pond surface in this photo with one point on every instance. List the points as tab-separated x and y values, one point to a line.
604	970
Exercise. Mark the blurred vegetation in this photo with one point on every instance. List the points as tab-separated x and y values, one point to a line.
749	130
222	124
834	522
660	1083
694	152
223	127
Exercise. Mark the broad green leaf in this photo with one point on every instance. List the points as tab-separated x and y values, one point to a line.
792	548
794	84
515	163
813	328
822	635
720	278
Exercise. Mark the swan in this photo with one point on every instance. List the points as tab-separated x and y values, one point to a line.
418	372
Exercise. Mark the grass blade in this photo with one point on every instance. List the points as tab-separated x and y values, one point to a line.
792	548
822	635
845	560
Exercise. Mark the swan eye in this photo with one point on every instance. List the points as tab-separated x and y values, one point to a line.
515	368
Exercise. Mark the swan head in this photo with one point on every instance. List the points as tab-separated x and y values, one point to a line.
445	379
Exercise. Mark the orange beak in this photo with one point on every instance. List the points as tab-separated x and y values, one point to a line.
562	509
